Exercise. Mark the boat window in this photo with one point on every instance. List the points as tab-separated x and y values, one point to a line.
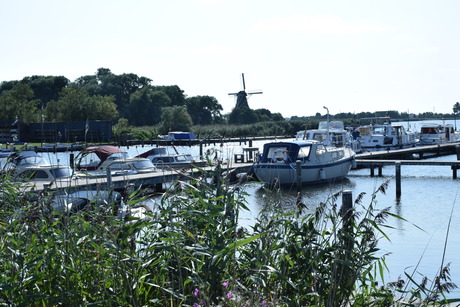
320	149
278	154
364	130
184	158
304	152
34	174
319	137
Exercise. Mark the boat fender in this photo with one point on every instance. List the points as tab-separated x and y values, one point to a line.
322	174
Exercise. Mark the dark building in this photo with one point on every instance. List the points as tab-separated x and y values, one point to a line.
65	132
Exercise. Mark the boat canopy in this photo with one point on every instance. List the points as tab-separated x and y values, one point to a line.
285	151
103	152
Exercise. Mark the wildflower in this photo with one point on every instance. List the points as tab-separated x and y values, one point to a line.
196	305
264	303
229	295
225	284
196	292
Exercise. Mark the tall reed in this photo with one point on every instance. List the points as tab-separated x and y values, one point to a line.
191	251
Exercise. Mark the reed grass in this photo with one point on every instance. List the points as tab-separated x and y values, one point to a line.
191	251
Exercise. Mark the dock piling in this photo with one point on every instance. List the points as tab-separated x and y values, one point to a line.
298	168
398	178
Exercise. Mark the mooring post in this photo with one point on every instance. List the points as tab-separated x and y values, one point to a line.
457	151
109	180
72	161
298	168
201	150
454	171
372	171
346	212
380	171
398	178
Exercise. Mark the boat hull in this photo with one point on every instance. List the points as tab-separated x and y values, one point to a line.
288	174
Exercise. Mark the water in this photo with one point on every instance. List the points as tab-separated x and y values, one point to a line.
429	198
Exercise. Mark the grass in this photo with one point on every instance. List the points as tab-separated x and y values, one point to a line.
191	251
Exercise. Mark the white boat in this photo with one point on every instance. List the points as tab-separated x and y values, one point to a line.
332	133
162	159
73	202
386	136
433	134
29	165
95	161
318	163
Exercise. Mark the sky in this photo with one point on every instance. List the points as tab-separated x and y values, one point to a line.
304	55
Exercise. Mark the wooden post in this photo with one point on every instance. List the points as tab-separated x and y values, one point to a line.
298	168
372	171
346	212
201	151
454	171
380	171
347	205
457	151
109	180
398	178
72	160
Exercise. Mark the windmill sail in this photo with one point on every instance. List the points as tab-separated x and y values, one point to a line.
241	96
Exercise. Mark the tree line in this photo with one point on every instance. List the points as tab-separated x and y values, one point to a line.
107	96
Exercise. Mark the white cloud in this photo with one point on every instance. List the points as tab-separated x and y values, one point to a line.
317	24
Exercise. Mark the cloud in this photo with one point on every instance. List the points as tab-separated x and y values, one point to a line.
317	24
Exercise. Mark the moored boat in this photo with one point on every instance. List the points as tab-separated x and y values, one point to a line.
29	165
433	134
386	136
330	133
95	161
163	159
279	163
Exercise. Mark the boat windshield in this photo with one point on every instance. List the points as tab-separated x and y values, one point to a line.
143	164
36	160
118	156
61	172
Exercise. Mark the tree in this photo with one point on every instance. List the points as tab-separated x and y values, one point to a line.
174	93
120	86
456	108
145	107
75	104
175	119
243	115
204	110
19	103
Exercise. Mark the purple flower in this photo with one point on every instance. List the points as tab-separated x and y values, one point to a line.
196	292
229	295
225	284
196	305
264	303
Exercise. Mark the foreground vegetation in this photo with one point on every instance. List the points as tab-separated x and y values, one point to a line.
191	251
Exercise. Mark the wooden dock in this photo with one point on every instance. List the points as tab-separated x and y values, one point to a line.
122	182
421	152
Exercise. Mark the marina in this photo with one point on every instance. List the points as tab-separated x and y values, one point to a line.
429	196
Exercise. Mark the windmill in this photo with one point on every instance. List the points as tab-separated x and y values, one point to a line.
241	100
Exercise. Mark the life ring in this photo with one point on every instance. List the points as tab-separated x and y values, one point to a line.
280	156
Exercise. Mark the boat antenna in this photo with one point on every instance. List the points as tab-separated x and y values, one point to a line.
327	129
